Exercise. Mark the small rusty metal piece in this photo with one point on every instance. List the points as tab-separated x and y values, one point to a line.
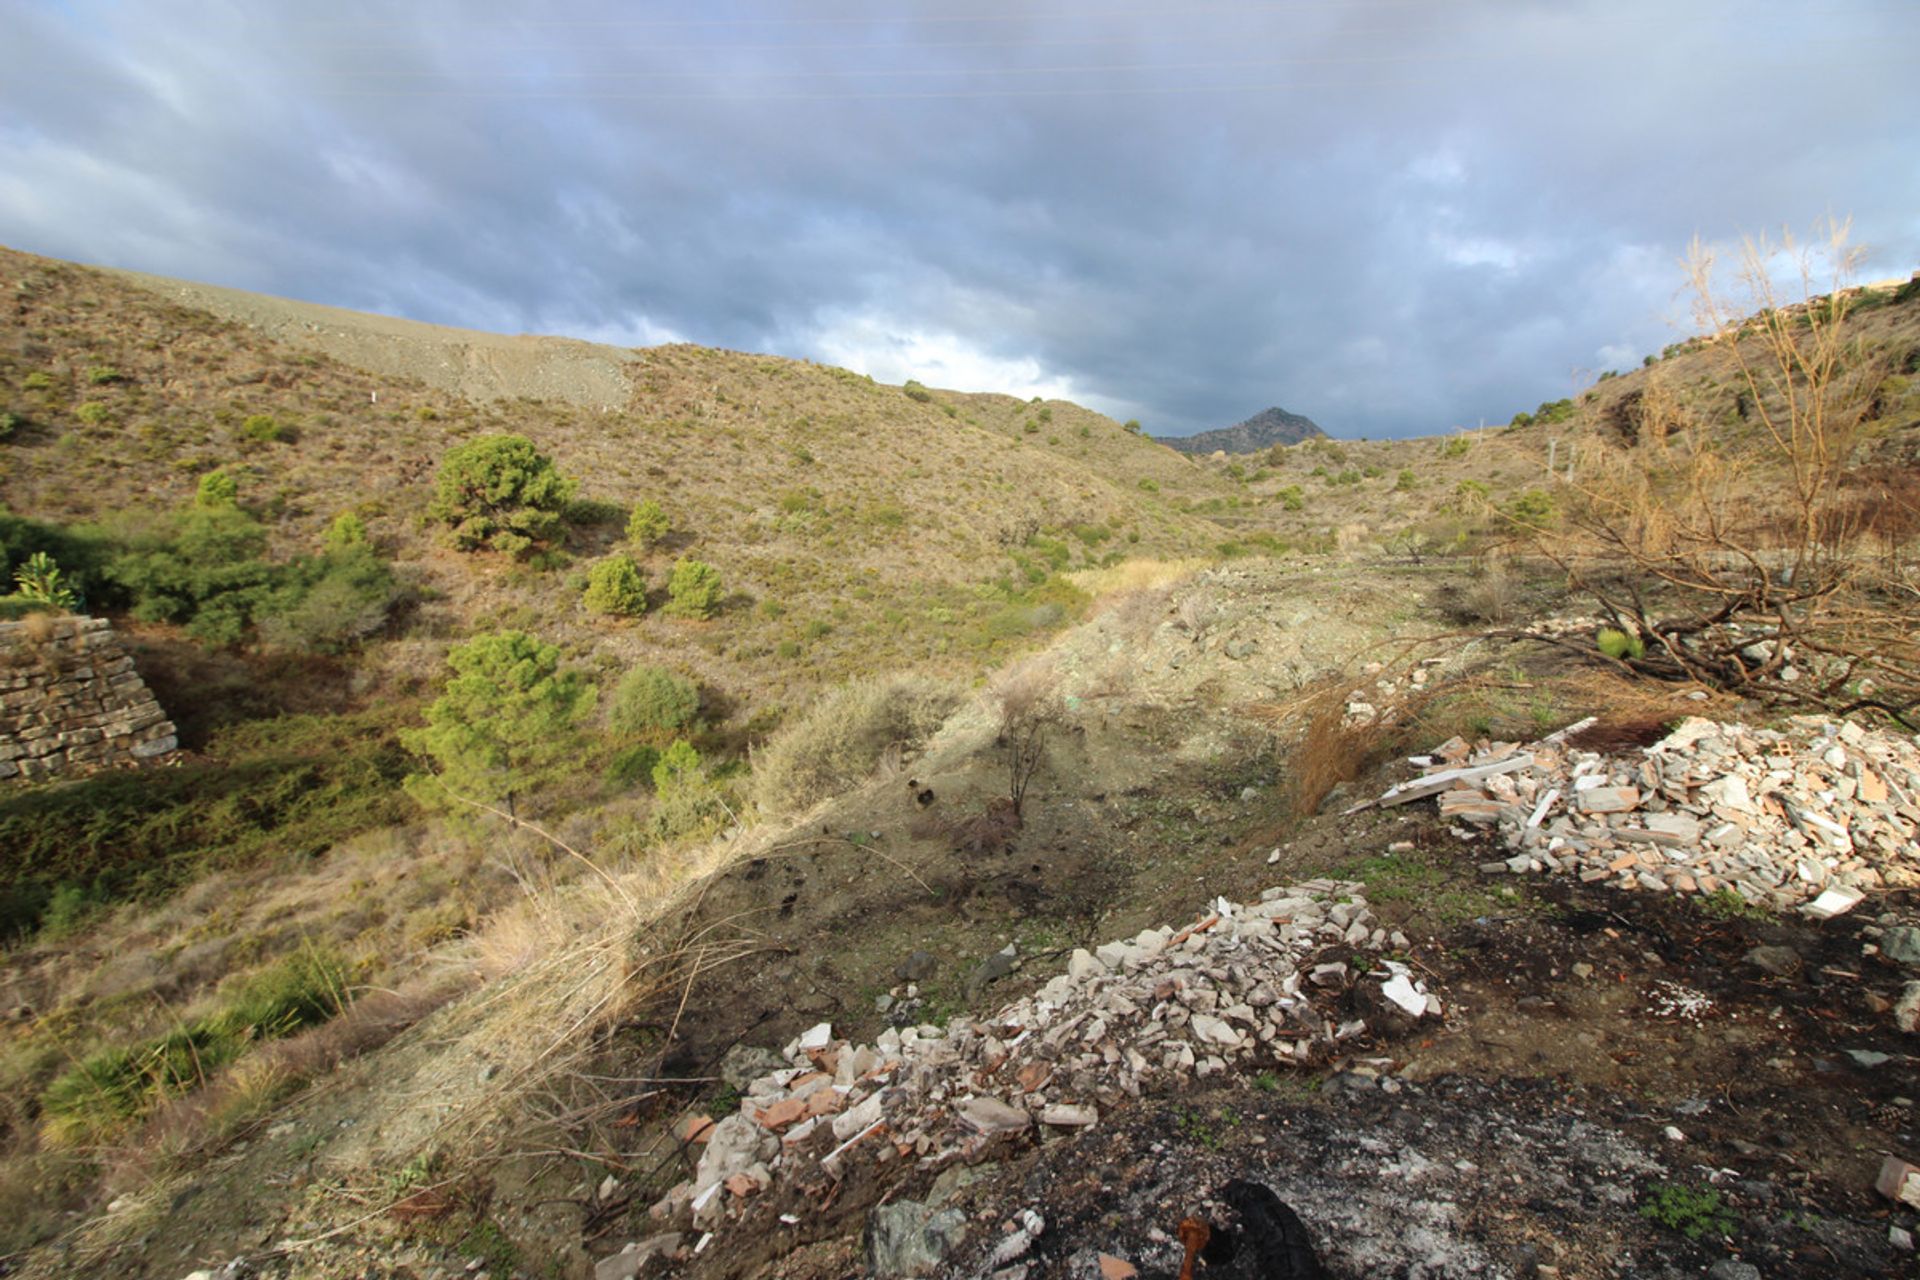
1194	1234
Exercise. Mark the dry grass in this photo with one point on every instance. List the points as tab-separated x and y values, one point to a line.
844	736
1129	577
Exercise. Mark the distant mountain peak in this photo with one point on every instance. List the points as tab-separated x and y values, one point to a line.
1262	431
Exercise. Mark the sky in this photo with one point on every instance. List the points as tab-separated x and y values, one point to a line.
1398	217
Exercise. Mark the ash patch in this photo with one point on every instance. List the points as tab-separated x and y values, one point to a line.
1456	1177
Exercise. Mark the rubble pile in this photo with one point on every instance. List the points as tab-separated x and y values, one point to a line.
1812	817
1241	986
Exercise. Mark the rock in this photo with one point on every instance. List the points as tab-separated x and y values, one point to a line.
1112	1268
625	1264
1066	1116
1899	1181
1608	799
1083	964
917	967
1901	944
1728	1269
1211	1030
745	1063
1729	792
1833	902
736	1144
1906	1010
907	1238
813	1039
991	970
1400	989
990	1116
849	1123
1781	962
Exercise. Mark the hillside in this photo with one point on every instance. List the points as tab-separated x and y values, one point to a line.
868	519
1263	430
1003	874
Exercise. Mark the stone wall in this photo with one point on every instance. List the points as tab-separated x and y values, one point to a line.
70	700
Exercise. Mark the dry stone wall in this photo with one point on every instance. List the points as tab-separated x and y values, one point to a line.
70	700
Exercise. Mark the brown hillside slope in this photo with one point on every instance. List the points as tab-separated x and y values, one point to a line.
855	526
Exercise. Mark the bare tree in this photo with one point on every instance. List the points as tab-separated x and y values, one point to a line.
1729	543
1027	696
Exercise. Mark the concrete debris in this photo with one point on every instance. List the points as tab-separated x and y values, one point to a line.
1813	817
1899	1181
907	1238
1243	987
1906	1010
626	1264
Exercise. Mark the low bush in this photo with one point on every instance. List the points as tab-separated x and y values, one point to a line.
652	700
264	429
647	524
499	492
844	735
615	587
693	589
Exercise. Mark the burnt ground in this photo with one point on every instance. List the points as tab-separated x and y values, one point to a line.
1535	1130
1532	1133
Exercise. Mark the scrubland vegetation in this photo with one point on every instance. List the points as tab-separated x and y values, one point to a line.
438	664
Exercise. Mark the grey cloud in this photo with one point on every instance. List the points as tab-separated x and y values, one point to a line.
1416	217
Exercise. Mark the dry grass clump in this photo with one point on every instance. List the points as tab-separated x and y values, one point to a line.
844	736
1131	576
1329	750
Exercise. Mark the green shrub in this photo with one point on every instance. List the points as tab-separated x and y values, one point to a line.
499	492
37	381
1406	482
1522	419
507	713
331	602
1293	498
615	586
1553	411
1456	447
1620	645
652	700
647	524
1532	509
263	428
1147	485
1693	1212
113	1087
9	423
346	531
202	568
693	589
101	375
632	765
217	491
915	391
41	581
844	735
1133	425
93	413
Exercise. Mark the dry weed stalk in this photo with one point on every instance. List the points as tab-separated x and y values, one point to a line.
1028	699
1732	555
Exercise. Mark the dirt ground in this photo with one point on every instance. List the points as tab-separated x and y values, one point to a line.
1603	1055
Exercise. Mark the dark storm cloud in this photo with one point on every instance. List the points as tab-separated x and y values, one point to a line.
1395	217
